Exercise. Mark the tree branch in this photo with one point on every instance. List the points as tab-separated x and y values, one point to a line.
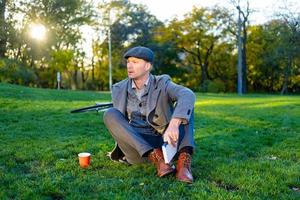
188	51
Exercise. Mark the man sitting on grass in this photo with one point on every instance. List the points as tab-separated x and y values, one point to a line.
148	110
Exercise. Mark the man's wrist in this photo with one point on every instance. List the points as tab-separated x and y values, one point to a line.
176	121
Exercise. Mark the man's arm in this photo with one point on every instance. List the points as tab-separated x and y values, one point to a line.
184	98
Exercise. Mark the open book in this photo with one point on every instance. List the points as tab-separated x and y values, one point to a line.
169	151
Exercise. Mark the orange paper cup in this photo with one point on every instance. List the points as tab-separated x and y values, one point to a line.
84	159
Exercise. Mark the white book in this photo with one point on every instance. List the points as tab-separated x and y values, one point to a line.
169	151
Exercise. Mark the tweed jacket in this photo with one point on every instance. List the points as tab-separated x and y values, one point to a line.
165	101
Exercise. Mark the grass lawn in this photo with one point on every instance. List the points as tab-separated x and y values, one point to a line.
247	148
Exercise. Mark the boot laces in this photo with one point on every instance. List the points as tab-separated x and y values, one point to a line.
186	159
159	158
156	157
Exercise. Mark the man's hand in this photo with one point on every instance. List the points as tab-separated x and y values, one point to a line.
171	135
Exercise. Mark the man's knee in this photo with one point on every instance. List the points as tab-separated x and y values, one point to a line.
110	115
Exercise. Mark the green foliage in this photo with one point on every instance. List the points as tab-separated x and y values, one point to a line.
56	52
215	86
168	58
270	52
62	18
198	51
198	39
247	148
12	71
61	60
135	26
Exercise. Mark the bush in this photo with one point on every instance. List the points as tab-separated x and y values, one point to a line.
12	71
215	86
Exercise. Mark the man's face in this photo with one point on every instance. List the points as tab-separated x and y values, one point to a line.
137	68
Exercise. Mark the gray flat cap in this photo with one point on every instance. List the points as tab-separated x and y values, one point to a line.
140	52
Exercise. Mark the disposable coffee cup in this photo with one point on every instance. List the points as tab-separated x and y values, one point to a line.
84	159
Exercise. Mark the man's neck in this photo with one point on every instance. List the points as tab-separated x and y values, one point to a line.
139	83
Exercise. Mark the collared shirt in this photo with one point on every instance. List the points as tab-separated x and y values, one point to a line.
137	104
139	92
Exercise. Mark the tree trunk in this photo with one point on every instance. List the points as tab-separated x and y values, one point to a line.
203	84
75	79
244	56
203	62
3	34
204	67
244	67
270	88
31	63
240	58
242	42
284	89
93	69
74	86
83	79
18	55
83	75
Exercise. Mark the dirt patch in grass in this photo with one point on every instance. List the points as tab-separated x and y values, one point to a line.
225	186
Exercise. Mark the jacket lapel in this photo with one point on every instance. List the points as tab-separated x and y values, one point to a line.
120	96
153	94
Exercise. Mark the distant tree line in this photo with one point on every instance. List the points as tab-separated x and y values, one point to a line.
198	51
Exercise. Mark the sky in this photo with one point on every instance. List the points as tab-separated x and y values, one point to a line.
166	9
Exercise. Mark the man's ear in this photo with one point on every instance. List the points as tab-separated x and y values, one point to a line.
149	66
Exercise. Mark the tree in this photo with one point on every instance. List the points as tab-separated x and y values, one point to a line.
133	26
3	28
291	45
167	57
62	61
197	36
241	35
264	57
62	19
273	57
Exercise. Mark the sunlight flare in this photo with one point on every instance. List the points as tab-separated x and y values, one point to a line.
38	31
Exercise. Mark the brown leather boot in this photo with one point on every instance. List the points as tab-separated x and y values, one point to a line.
183	168
156	157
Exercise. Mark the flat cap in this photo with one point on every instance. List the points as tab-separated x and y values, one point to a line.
140	52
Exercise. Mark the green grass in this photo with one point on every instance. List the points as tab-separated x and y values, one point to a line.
247	148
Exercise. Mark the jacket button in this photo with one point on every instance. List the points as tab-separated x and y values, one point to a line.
189	112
